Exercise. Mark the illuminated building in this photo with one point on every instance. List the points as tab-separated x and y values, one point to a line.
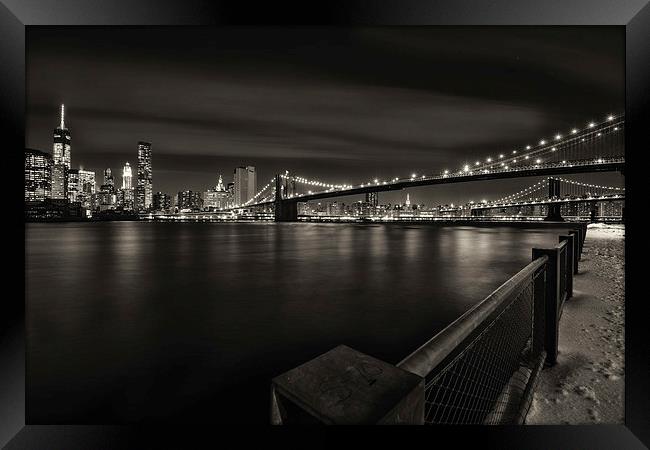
162	202
126	177
38	175
144	189
373	198
86	187
230	189
245	184
108	179
73	184
216	198
189	201
60	159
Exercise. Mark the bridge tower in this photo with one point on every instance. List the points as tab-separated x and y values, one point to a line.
554	193
285	210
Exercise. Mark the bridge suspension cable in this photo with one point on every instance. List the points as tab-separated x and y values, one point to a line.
594	144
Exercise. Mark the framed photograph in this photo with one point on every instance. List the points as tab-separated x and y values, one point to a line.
336	213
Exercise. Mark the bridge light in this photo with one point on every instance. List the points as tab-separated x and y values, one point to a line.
506	167
489	160
376	180
514	160
528	147
591	124
558	137
413	175
526	157
514	152
563	162
538	161
542	142
466	168
574	131
598	134
610	118
615	128
446	172
501	155
477	163
553	149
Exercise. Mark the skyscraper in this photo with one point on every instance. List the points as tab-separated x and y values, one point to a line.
60	159
108	178
126	197
73	184
144	192
38	175
86	187
245	180
126	176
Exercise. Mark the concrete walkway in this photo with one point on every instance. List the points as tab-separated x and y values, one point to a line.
586	385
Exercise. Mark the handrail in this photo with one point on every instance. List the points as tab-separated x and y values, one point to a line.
430	354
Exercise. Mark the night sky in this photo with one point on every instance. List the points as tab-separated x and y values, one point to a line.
343	105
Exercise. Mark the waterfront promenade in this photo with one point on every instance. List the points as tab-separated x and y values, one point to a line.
586	385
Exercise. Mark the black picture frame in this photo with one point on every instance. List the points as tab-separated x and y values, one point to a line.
16	15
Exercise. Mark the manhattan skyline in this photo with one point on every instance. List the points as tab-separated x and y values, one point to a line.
331	106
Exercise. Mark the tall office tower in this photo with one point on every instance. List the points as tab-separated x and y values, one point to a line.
126	177
73	184
408	200
144	190
60	159
245	180
86	187
38	175
108	178
372	198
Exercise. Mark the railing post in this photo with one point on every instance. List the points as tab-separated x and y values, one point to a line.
344	386
576	250
552	300
539	311
570	261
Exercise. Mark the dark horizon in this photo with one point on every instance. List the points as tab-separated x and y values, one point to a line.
338	104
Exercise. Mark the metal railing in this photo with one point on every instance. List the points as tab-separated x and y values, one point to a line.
484	366
477	369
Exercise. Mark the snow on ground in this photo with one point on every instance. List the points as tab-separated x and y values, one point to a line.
586	385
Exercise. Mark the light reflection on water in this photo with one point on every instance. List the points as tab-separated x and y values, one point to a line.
136	321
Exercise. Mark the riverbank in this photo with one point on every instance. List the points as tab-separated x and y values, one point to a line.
586	385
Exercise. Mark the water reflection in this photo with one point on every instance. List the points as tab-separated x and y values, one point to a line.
139	321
